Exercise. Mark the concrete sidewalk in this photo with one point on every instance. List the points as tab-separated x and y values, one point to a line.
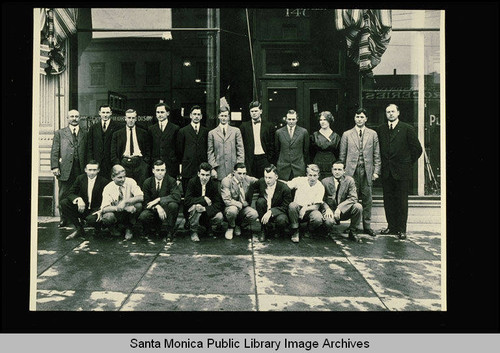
111	274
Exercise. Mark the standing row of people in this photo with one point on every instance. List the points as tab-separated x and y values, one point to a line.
366	154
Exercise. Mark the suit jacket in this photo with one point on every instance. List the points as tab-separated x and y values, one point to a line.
266	139
192	149
63	149
398	151
193	196
119	141
348	195
80	189
281	198
230	190
164	146
350	148
169	191
224	152
99	144
292	153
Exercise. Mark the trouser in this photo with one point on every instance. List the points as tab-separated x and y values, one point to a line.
314	218
246	217
136	168
197	219
364	193
185	211
277	223
122	219
70	211
395	202
259	163
354	214
65	186
150	220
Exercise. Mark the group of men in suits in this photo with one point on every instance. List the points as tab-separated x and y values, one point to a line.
228	153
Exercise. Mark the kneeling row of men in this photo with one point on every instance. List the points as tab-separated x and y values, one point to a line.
123	207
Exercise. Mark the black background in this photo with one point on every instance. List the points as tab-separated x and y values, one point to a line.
472	199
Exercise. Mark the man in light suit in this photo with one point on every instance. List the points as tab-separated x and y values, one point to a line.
99	141
258	139
225	147
341	200
399	150
131	148
68	156
360	153
272	204
292	148
192	141
163	137
237	192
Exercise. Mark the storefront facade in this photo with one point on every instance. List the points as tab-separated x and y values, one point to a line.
285	58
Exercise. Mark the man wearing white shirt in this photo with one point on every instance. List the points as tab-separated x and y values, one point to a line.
360	153
272	204
84	200
308	199
121	202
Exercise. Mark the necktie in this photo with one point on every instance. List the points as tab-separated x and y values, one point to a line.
290	132
120	195
256	122
390	126
158	186
224	132
196	129
131	143
337	192
360	138
104	126
75	144
242	193
162	126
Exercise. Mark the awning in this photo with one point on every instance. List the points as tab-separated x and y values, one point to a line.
149	20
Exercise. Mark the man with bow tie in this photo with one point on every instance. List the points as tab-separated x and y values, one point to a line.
341	200
68	156
225	146
258	141
162	197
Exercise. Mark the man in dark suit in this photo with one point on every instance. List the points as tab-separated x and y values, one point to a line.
399	150
192	144
272	204
131	148
99	140
292	148
203	202
341	200
258	141
84	199
163	137
68	156
161	202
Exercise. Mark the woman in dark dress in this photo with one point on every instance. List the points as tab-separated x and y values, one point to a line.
325	144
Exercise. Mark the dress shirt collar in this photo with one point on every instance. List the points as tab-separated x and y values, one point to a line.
74	128
362	129
195	125
394	123
255	122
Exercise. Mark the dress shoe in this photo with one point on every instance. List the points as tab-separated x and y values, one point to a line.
262	236
186	224
62	223
370	232
195	237
295	236
128	234
387	231
229	233
402	235
115	231
237	231
353	237
166	236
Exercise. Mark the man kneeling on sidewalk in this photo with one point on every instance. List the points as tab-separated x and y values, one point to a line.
203	202
341	200
121	203
85	196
